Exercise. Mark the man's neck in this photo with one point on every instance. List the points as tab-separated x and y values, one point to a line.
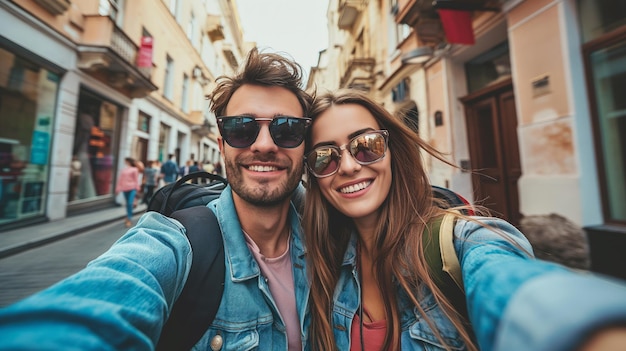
268	227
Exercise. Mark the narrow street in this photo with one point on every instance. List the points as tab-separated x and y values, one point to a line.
28	272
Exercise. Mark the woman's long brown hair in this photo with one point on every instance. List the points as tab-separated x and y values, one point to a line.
403	217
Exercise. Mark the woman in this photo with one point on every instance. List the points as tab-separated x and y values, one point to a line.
368	204
128	182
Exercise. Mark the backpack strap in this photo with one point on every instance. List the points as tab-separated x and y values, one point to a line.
197	305
443	262
450	261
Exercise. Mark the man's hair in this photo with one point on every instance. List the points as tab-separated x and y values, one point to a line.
264	69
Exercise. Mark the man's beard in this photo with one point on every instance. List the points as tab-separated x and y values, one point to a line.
263	194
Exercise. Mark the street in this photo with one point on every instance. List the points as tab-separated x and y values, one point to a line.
28	272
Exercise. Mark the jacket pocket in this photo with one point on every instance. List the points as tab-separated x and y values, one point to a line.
420	332
227	340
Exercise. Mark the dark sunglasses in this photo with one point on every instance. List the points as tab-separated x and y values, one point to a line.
241	131
365	148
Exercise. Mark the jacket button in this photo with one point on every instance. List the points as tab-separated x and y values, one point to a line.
216	343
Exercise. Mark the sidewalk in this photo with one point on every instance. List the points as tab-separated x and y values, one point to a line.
15	241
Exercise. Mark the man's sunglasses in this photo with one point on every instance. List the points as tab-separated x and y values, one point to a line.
242	131
365	148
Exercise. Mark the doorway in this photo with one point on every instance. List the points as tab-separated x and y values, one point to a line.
494	152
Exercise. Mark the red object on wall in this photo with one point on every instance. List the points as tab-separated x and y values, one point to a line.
457	25
144	58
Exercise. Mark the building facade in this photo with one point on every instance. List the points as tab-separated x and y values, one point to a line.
84	84
522	94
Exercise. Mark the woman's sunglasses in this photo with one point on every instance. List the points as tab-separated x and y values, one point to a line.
365	148
241	131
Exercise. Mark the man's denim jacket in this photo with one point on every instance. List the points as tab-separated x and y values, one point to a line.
121	300
248	317
515	302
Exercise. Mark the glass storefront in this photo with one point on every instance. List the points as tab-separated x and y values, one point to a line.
603	27
28	99
93	158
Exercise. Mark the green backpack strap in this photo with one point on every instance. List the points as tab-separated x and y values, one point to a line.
443	263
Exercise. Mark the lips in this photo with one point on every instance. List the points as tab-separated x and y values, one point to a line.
355	187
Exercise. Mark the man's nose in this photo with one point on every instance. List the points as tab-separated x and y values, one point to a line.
264	141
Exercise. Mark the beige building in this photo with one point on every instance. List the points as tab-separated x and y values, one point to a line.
88	83
531	100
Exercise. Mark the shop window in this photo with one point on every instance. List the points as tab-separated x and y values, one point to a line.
93	156
164	132
603	26
598	17
28	95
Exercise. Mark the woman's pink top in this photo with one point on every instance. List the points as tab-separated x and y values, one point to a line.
127	180
373	334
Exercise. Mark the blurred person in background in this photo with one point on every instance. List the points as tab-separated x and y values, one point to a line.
128	183
150	179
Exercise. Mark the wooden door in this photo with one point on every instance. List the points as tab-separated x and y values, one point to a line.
494	152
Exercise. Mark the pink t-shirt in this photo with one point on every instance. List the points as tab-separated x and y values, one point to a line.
373	334
127	180
279	275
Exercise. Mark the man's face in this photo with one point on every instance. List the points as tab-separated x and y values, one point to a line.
263	173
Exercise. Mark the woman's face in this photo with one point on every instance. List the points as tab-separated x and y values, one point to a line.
355	190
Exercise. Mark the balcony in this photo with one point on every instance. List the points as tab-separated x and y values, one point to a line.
359	74
409	11
349	11
109	55
214	28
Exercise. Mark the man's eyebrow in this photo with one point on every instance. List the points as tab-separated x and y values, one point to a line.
350	136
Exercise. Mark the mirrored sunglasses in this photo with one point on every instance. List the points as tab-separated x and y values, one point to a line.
242	131
365	148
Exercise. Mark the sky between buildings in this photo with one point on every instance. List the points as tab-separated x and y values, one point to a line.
295	27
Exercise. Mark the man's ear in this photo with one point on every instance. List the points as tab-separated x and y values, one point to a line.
220	144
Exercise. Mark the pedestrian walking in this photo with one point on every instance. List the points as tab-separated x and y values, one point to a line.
128	183
150	178
169	170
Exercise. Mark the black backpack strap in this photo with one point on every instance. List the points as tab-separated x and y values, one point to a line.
197	305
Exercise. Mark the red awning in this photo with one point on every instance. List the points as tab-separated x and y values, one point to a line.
457	24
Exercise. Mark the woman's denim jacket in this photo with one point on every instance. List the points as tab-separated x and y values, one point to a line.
121	300
515	302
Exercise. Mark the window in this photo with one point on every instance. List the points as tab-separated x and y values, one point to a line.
491	67
396	32
164	133
184	104
191	29
28	101
143	122
169	77
113	9
174	7
605	54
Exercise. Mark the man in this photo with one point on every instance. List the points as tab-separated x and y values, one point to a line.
185	168
169	170
122	299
